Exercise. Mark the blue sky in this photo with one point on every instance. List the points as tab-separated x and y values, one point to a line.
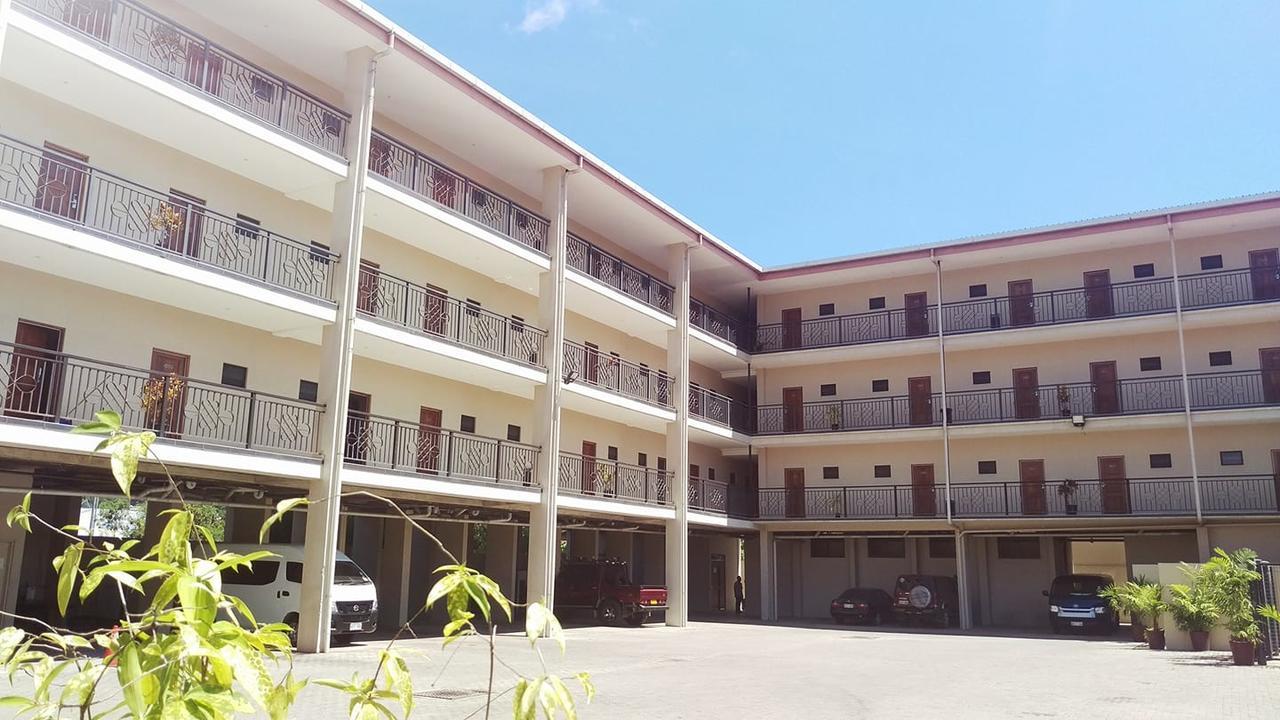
802	130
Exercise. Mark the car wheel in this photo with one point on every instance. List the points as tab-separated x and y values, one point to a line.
609	612
637	619
292	621
876	618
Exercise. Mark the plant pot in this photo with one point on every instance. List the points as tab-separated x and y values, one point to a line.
1242	652
1155	639
1072	508
1199	640
1138	629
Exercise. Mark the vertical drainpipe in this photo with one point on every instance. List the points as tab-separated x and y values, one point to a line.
1182	361
942	369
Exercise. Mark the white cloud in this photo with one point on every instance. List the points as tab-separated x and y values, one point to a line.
542	15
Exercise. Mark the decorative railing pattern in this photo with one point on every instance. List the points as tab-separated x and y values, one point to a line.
715	322
619	274
1220	495
433	313
171	50
709	495
582	475
53	185
713	407
616	374
38	384
1208	391
403	446
1052	307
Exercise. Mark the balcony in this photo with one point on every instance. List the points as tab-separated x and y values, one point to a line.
1125	497
709	495
619	275
613	480
589	366
1054	307
720	409
168	50
715	323
1208	391
410	447
53	387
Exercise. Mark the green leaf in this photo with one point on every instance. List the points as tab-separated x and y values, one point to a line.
282	507
67	573
587	685
443	587
106	422
539	621
126	450
399	679
20	515
130	673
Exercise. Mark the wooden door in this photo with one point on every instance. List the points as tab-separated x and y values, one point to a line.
164	395
92	17
183	236
920	400
917	313
1026	394
1115	485
35	372
1275	477
430	439
367	287
1105	387
924	498
695	399
1097	294
793	409
791	328
63	180
588	466
1022	303
591	363
1031	487
793	482
358	429
1269	362
1264	272
435	311
717	582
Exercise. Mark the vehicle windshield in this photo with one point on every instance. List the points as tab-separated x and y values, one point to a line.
616	575
1078	585
346	572
855	594
906	582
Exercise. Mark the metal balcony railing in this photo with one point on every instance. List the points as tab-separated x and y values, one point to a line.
168	49
583	475
722	410
715	322
42	385
433	313
1175	496
709	495
1053	307
615	374
619	274
1208	391
403	446
50	184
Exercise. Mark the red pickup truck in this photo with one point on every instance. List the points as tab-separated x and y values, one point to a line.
604	587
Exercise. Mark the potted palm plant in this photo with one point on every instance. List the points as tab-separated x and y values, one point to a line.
1067	489
1121	599
1148	601
1193	611
1227	578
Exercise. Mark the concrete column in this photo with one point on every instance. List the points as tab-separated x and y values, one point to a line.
502	557
768	589
962	583
6	11
752	587
678	441
1203	544
394	562
544	541
347	229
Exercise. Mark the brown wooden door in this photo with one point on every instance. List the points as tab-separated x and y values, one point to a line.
164	396
695	399
920	400
793	409
93	17
1269	362
1275	476
35	372
61	185
1022	303
588	466
1026	394
367	287
1264	272
591	363
430	438
435	311
793	481
1031	487
183	235
358	427
1105	387
917	313
1097	294
924	498
1115	485
791	328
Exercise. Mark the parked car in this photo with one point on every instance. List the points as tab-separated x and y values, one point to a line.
862	605
932	598
273	590
604	587
1075	604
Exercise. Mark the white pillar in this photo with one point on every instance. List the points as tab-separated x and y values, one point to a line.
962	583
347	227
6	11
768	583
677	537
544	544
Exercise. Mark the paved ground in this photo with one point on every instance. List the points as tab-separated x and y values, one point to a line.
729	670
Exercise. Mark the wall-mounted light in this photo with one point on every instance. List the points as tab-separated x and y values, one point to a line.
571	377
1077	420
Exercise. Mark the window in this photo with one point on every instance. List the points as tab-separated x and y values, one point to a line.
977	291
473	308
1161	460
1144	270
662	463
1220	358
642	459
319	252
827	309
875	303
1149	364
883	471
1211	262
467	424
234	375
513	433
308	390
613	453
827	390
263	572
986	467
263	89
826	548
247	226
886	548
293	572
982	377
1231	457
942	547
1018	548
831	472
711	473
880	386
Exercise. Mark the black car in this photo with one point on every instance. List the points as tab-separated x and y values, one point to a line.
862	605
1074	604
932	598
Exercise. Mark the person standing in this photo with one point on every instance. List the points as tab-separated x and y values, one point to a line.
737	596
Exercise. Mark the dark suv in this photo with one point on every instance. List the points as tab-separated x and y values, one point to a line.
604	587
932	598
1075	604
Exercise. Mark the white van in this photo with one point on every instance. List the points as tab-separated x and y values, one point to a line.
273	589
